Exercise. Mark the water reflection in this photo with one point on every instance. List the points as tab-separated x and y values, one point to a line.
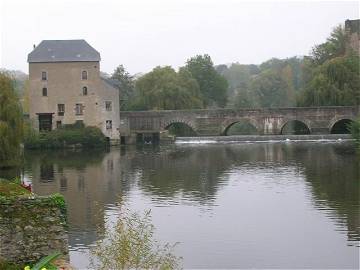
198	174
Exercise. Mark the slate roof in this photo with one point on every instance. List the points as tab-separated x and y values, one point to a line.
77	50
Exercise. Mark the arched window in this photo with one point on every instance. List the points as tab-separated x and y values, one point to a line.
85	91
84	75
44	92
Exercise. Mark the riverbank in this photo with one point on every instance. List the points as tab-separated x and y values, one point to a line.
264	138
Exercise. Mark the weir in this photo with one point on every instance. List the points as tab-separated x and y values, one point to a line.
264	138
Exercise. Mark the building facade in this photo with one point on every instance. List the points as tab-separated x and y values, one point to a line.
66	88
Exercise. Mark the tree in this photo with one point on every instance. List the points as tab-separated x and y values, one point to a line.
331	75
270	89
335	82
334	46
165	89
126	85
213	86
11	124
355	131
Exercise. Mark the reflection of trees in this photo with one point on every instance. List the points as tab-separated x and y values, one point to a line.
92	180
198	172
334	175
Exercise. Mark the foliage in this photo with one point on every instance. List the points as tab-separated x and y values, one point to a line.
213	86
335	82
355	131
274	83
241	128
130	244
58	200
12	189
10	266
126	86
181	130
45	263
270	89
331	74
67	136
333	47
11	125
165	89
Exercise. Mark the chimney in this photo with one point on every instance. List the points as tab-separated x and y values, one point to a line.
34	46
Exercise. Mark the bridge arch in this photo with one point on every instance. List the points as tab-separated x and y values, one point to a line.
295	126
249	125
180	122
340	125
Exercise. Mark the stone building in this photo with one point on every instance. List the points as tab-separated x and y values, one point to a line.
66	87
352	29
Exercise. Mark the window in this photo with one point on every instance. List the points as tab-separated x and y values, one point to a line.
108	105
44	76
44	92
84	75
79	109
61	109
58	124
108	124
85	91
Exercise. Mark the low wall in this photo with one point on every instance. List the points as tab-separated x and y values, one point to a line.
31	228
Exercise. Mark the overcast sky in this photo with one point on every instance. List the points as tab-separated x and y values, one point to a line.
142	34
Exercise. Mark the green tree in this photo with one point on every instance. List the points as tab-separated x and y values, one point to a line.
165	89
252	86
213	86
335	82
126	85
355	131
331	75
270	89
11	124
333	47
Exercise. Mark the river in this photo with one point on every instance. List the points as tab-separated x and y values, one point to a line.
244	205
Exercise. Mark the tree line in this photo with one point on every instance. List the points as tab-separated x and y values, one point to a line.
329	76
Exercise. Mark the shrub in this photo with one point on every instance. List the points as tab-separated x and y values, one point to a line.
68	136
130	244
355	131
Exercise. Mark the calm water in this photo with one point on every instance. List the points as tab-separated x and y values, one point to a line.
265	205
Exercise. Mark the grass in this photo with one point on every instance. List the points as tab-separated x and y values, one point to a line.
12	189
11	266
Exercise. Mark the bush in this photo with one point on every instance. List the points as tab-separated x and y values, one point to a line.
68	136
355	131
130	244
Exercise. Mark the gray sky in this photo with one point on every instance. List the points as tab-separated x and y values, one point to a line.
142	34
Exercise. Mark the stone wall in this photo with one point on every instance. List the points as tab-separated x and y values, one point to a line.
31	228
267	121
352	29
65	86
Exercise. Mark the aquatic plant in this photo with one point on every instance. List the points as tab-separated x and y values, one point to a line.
130	244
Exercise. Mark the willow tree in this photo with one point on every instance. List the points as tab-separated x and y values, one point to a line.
11	124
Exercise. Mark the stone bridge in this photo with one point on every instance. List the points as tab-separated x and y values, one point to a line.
267	121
